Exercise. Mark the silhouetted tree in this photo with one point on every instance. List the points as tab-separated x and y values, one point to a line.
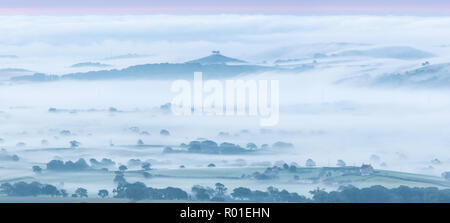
119	178
122	168
146	166
81	192
103	193
164	132
251	146
220	190
74	144
50	190
37	169
136	191
310	163
241	193
64	193
340	163
202	193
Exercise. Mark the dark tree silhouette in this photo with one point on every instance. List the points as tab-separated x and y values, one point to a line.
103	193
146	166
81	192
122	168
37	169
74	144
241	193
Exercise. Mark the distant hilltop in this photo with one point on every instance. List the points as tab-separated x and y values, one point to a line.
213	66
216	58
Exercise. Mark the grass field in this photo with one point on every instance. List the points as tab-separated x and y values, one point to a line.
301	181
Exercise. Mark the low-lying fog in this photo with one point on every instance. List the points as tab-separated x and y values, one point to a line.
406	128
401	128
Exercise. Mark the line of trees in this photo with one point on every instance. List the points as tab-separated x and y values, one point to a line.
59	165
348	194
380	194
31	189
139	191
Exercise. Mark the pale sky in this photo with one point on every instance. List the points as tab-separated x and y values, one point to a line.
57	7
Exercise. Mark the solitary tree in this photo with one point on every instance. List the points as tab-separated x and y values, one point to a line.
63	193
164	132
310	163
446	175
103	193
119	178
81	192
74	144
252	146
37	169
220	189
340	163
146	166
122	168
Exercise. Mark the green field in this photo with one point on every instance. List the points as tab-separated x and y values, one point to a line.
301	181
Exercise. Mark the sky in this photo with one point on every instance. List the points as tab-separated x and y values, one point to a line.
51	44
56	7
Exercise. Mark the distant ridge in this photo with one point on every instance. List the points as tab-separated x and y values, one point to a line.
394	52
13	70
437	75
154	71
216	58
126	56
213	66
90	64
9	56
8	73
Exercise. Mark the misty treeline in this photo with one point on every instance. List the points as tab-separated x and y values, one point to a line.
211	147
139	191
380	194
24	189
